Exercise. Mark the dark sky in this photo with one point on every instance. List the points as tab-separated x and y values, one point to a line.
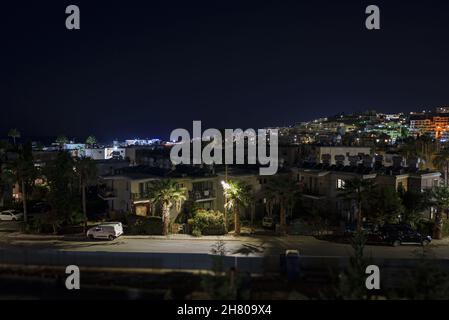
143	68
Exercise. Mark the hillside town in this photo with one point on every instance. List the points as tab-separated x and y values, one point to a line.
400	159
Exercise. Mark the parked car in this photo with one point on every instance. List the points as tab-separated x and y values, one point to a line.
268	222
107	230
397	234
11	215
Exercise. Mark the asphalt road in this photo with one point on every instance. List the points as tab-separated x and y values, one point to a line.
260	246
244	246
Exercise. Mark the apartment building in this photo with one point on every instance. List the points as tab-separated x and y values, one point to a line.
331	154
127	190
435	124
322	185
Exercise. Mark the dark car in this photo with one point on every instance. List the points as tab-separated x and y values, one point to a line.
397	234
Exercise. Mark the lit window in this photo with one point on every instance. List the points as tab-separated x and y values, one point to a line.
340	184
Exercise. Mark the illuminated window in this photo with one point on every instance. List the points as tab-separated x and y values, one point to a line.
340	184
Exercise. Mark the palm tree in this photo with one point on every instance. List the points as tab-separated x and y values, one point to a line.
282	191
14	134
441	161
358	190
85	170
237	194
166	193
441	198
91	141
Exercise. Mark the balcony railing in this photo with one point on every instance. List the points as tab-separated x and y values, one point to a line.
140	196
107	194
198	195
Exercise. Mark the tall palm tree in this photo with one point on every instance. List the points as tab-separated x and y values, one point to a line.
85	170
282	191
441	198
167	193
441	161
14	134
358	190
237	194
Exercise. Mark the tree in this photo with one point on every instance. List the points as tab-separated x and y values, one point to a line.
441	198
85	170
351	282
358	190
441	161
414	203
61	140
14	134
25	174
167	193
7	176
237	194
282	191
91	141
383	205
60	176
423	147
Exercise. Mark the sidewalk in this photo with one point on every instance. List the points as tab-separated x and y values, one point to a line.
190	237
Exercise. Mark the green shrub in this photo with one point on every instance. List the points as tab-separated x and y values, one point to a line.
425	227
206	222
46	223
76	218
196	233
138	225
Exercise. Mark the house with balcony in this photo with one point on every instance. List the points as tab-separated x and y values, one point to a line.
322	184
127	189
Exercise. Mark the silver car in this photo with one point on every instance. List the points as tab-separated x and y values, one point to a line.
108	230
11	215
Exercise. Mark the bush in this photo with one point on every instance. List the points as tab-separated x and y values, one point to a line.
206	222
196	233
138	225
46	223
425	227
76	218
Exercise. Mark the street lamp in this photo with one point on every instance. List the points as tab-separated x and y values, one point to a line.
225	185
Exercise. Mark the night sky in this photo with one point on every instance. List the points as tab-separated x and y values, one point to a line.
143	68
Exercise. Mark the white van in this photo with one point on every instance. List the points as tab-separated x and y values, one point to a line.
107	230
